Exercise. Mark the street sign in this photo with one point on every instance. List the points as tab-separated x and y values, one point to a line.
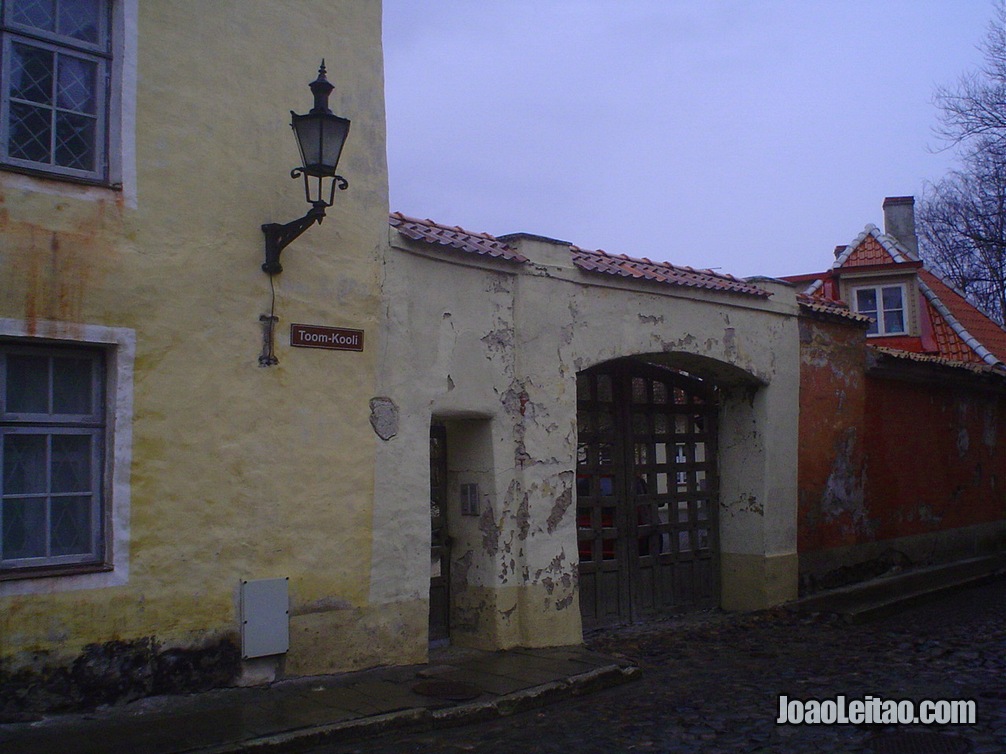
332	338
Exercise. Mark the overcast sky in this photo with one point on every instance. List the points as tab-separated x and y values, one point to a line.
746	136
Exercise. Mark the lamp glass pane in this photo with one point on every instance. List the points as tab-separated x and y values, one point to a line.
334	132
320	138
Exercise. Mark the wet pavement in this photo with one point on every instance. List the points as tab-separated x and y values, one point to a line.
711	683
457	685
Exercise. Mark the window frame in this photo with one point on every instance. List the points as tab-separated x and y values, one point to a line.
103	54
94	425
878	320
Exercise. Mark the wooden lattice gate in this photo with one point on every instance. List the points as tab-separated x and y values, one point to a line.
646	488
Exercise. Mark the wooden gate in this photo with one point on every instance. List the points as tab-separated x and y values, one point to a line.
646	489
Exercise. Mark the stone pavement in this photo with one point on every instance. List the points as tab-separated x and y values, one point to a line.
710	683
459	685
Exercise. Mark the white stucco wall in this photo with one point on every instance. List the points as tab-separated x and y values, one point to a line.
493	348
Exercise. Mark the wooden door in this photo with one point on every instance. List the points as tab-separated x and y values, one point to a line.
440	597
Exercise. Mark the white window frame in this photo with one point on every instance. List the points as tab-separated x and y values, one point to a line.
106	53
119	347
48	424
879	329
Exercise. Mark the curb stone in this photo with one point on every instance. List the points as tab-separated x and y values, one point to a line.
426	718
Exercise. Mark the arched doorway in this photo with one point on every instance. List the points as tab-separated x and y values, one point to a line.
646	487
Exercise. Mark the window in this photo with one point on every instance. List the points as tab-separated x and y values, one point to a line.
885	304
52	440
56	64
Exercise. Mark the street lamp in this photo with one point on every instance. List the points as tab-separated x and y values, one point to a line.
320	137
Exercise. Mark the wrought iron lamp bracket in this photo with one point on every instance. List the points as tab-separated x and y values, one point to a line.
280	235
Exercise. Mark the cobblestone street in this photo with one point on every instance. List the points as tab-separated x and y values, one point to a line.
711	684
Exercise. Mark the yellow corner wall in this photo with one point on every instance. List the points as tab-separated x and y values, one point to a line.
237	471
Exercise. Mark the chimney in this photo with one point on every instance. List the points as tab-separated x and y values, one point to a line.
899	222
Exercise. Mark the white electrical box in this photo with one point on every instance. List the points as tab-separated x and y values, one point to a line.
265	617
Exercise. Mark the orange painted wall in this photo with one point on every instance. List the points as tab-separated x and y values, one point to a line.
832	508
937	457
886	458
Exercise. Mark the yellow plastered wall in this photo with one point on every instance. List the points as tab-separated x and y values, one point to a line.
236	471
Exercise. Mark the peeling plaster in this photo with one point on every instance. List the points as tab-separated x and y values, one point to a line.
559	508
744	504
843	496
523	518
459	572
499	340
730	343
559	577
491	531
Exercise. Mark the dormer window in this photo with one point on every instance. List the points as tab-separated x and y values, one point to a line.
885	304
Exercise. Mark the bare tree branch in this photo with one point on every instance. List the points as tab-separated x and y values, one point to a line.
962	218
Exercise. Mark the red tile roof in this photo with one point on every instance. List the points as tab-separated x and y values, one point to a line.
661	272
925	358
455	237
962	333
829	308
589	261
972	322
872	247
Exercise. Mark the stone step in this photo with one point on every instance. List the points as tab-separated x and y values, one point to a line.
889	594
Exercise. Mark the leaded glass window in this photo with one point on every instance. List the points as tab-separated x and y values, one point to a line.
52	433
55	68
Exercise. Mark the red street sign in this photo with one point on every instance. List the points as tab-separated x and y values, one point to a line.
332	338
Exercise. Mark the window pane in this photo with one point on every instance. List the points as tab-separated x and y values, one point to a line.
72	386
77	84
79	19
894	322
638	390
892	298
30	133
659	392
75	141
31	72
24	464
39	14
27	384
866	301
71	463
71	525
23	533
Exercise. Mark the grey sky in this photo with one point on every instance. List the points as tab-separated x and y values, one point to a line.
752	137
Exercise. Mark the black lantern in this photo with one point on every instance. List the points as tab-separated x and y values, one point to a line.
320	137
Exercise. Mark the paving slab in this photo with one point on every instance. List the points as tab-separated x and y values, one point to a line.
292	714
